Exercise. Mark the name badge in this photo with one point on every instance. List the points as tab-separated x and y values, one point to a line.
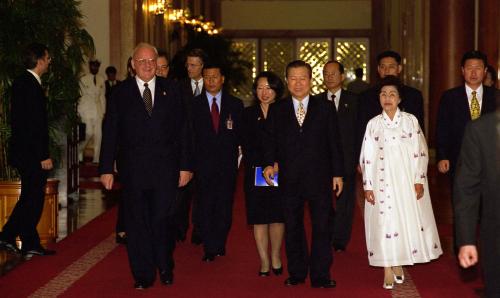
229	122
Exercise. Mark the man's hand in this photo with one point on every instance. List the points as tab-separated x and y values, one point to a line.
184	178
338	185
269	175
443	166
467	256
370	196
107	181
419	189
47	164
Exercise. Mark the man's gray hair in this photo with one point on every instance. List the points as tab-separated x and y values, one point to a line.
144	45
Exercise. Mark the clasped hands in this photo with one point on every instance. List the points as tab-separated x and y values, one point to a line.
184	177
270	171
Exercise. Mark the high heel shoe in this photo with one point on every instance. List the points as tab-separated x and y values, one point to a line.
388	286
399	279
278	271
264	273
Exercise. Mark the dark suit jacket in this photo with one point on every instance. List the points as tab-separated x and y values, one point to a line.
453	115
149	149
109	88
477	191
308	156
369	106
347	115
216	155
29	143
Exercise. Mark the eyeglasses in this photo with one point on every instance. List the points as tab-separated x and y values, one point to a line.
145	61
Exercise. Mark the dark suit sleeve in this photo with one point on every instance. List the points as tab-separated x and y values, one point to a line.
109	142
269	137
185	134
335	142
362	120
466	192
29	119
419	109
443	126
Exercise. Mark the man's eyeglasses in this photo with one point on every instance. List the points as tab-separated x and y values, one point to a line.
145	61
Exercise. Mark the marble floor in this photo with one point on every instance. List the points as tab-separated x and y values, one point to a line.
90	204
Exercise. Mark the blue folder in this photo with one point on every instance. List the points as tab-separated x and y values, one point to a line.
259	178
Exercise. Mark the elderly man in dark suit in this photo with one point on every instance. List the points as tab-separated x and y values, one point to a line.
346	104
29	153
216	125
389	63
303	140
191	87
146	132
477	191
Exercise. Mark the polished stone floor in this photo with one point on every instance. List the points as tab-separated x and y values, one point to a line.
90	204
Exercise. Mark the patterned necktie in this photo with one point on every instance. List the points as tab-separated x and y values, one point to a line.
196	88
301	114
95	81
148	99
475	110
214	110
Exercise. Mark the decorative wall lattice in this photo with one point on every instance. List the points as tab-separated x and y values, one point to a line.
316	52
353	53
276	54
248	50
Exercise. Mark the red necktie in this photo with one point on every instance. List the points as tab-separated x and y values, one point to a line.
215	115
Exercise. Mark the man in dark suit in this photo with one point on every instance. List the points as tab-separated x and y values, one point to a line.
303	140
477	191
191	87
216	125
455	110
389	63
111	82
145	131
346	104
29	153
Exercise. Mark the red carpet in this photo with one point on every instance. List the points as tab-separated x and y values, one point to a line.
234	275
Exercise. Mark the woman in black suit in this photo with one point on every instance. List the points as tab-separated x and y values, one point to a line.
263	204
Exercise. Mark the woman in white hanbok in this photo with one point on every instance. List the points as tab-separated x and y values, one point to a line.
399	221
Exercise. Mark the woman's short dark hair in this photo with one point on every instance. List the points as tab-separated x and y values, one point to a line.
391	81
274	82
493	74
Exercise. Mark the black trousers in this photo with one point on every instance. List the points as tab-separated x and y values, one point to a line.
150	230
342	220
182	208
215	205
320	259
26	214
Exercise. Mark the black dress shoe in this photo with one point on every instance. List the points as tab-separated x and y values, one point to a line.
10	247
208	257
277	271
28	254
291	281
140	285
339	248
181	236
167	278
327	284
121	239
264	273
221	253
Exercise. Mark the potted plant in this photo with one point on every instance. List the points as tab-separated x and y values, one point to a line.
57	24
